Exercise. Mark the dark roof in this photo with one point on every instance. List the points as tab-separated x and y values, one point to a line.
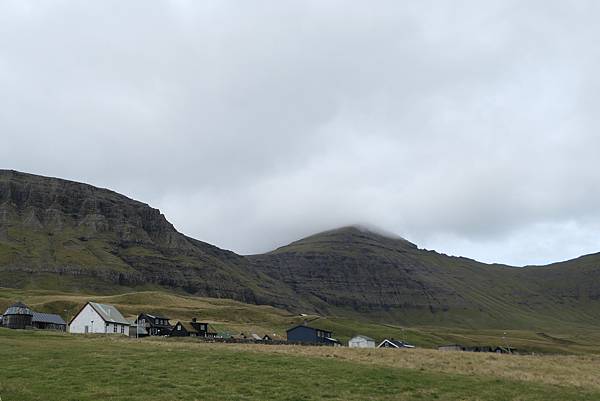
18	308
395	343
48	318
308	327
155	316
187	326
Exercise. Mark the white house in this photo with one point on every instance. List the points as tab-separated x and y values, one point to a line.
99	318
361	342
394	344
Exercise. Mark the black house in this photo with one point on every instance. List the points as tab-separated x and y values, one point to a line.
155	325
310	335
183	329
201	328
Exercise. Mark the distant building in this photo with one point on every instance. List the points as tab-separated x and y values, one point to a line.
20	316
183	329
361	342
137	330
193	329
311	335
451	347
48	321
153	325
17	316
202	328
391	343
95	318
477	348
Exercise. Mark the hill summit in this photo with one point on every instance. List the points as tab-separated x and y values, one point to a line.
354	235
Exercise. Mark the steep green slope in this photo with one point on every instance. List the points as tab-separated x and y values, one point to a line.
61	234
353	269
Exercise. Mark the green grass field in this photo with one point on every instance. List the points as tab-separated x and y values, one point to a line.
37	365
44	366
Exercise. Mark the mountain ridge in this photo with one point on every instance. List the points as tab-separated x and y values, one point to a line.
61	234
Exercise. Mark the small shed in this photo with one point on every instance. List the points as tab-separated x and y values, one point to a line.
361	342
137	330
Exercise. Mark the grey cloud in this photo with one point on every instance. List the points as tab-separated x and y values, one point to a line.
467	127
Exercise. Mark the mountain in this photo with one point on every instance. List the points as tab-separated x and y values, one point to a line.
62	235
353	269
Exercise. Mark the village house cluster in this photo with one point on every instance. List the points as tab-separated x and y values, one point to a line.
97	318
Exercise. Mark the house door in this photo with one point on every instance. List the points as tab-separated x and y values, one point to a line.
87	329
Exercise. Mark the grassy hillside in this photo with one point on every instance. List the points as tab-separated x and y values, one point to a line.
355	270
44	366
70	237
63	235
236	317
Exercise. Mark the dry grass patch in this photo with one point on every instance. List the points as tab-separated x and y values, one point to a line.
567	370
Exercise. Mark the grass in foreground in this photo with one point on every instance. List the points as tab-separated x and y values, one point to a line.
48	366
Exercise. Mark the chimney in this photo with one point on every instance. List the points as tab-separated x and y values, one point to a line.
194	320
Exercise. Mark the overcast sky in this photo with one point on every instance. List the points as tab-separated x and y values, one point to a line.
469	127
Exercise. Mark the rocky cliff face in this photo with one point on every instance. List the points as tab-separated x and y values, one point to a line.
364	271
98	238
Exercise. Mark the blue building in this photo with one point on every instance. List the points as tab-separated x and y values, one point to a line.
311	335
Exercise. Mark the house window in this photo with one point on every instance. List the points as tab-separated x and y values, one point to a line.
114	328
178	327
122	329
